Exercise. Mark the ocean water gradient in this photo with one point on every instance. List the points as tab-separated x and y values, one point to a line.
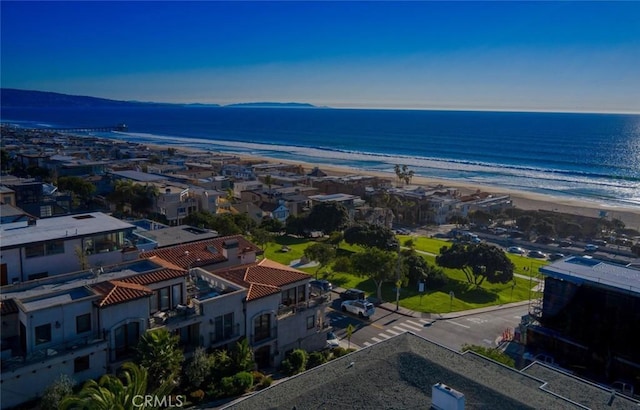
586	156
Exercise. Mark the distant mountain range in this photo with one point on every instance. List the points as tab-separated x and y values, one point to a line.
11	97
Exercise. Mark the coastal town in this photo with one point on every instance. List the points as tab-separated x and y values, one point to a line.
105	242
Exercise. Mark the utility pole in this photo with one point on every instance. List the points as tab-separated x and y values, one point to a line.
398	282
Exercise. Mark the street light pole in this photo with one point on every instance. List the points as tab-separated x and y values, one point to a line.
398	279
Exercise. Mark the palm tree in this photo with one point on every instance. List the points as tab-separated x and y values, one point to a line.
111	392
242	356
158	352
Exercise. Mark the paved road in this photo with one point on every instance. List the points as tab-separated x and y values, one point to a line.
484	328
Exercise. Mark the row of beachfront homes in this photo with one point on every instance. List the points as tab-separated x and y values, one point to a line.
211	293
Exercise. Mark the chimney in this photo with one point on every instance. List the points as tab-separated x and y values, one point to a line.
31	222
444	397
230	249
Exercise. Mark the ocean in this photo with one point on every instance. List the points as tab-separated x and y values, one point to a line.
593	157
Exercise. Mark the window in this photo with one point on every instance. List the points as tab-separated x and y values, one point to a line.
45	211
83	323
311	321
38	275
262	327
32	251
176	295
81	363
43	333
223	328
163	295
126	339
54	247
153	303
289	297
302	293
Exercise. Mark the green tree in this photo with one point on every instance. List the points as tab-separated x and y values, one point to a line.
296	362
369	235
261	237
320	252
56	392
116	393
377	265
478	262
272	225
242	357
328	217
268	179
199	369
403	173
158	352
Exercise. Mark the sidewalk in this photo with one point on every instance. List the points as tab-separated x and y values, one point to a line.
391	307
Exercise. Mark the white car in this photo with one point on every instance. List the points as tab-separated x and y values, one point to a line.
362	308
332	340
516	249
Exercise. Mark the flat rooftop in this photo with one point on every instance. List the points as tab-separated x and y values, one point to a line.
61	227
177	235
584	270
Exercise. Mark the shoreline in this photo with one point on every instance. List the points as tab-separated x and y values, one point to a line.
521	199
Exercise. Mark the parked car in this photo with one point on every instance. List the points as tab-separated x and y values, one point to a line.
353	294
537	254
545	240
320	286
362	308
332	340
590	247
565	243
556	256
516	249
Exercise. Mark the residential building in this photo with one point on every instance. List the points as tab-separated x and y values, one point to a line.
586	319
45	247
7	196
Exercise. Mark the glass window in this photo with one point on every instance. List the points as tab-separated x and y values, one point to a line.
228	325
311	321
81	363
302	293
32	251
164	298
153	303
55	247
289	297
126	339
176	295
83	323
219	333
262	327
43	333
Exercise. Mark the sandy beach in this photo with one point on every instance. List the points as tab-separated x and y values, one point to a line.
521	199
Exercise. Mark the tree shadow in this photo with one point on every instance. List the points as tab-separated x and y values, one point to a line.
470	293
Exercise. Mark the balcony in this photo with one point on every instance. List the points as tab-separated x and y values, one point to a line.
312	302
19	360
262	338
219	338
174	316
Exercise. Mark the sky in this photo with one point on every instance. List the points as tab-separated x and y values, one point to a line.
517	56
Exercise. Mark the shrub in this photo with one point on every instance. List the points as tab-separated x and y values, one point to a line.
54	394
199	369
197	395
338	351
316	359
295	363
257	377
266	382
242	382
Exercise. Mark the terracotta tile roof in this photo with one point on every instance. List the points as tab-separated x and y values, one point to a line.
116	291
263	278
201	253
8	306
156	276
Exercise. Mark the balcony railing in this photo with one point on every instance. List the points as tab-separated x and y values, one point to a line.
218	338
312	302
178	314
264	338
50	351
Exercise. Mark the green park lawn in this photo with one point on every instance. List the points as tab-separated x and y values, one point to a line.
465	297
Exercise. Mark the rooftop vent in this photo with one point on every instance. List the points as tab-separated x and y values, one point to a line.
83	217
444	397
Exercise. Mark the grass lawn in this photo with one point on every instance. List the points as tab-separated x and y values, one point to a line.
432	301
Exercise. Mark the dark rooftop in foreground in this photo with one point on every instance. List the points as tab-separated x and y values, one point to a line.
398	373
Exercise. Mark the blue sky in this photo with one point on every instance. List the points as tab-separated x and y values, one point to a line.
550	56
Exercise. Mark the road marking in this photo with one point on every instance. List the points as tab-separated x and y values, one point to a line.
487	341
393	332
414	323
476	320
377	326
375	339
460	324
384	335
414	328
365	344
401	329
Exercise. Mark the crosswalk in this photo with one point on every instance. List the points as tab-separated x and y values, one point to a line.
416	325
